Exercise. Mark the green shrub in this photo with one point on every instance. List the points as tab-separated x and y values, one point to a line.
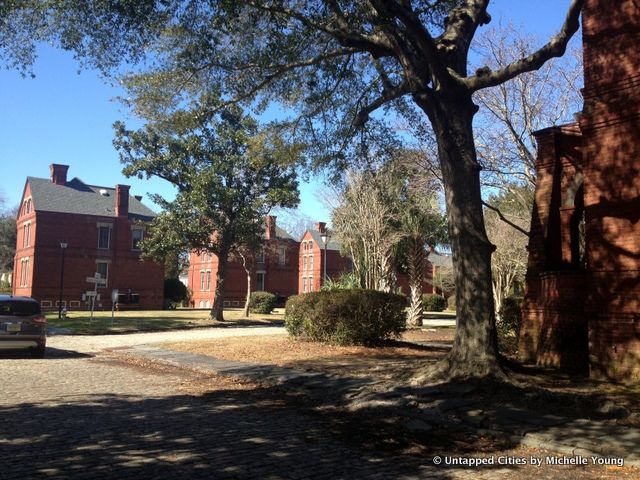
508	326
346	281
451	303
175	290
432	302
345	317
5	287
262	302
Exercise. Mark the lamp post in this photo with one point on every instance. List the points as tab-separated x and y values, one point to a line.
325	236
63	247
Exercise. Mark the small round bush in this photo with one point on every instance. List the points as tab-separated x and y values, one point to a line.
451	303
432	302
175	290
262	302
345	317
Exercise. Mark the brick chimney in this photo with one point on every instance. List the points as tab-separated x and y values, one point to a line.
58	173
122	200
321	227
271	227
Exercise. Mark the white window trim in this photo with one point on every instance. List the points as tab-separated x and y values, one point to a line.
24	272
135	228
26	234
110	227
106	279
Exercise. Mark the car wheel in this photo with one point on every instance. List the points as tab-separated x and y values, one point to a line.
37	352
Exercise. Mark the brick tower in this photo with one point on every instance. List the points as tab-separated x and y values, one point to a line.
582	303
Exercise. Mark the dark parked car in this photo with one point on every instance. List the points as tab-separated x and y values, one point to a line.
22	325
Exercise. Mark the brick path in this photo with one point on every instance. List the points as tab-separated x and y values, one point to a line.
80	414
69	416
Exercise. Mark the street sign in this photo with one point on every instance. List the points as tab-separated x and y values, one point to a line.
97	280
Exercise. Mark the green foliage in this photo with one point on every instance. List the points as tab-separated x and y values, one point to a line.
346	281
432	302
175	290
508	327
228	174
8	235
5	287
451	303
346	317
262	302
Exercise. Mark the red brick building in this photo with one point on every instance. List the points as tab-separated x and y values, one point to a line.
274	270
101	229
582	301
312	263
312	257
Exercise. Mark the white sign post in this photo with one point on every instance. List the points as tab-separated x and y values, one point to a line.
114	299
96	279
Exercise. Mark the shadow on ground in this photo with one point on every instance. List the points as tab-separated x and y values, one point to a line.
224	434
50	354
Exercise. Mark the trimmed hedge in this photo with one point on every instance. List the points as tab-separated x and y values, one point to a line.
262	302
346	317
432	302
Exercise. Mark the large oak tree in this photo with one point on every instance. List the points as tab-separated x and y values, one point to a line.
332	63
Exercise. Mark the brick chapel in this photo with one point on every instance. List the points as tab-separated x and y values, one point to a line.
582	300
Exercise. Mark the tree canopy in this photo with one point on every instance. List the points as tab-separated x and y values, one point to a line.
228	176
332	65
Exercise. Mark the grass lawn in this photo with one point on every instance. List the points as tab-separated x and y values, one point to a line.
154	320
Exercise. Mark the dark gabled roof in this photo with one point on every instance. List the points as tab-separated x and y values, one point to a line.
333	244
283	234
79	198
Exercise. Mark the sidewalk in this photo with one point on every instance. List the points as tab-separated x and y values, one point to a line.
435	406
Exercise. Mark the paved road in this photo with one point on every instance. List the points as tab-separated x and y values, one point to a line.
77	414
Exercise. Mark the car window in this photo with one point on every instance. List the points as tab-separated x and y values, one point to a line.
12	307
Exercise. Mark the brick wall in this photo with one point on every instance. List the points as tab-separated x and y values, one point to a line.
604	299
80	232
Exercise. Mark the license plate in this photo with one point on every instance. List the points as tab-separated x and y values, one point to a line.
13	327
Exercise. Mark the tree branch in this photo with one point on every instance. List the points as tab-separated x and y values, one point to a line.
554	48
505	219
363	115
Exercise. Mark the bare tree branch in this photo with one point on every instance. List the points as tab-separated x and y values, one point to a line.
505	219
554	48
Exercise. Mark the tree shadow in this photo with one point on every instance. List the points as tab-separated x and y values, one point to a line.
222	434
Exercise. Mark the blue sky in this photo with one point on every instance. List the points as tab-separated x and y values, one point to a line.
65	116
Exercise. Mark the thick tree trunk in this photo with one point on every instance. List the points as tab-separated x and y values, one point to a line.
474	352
218	299
416	273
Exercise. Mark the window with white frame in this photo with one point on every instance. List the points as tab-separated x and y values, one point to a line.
26	234
104	236
137	234
304	284
310	280
282	255
24	272
102	267
205	280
